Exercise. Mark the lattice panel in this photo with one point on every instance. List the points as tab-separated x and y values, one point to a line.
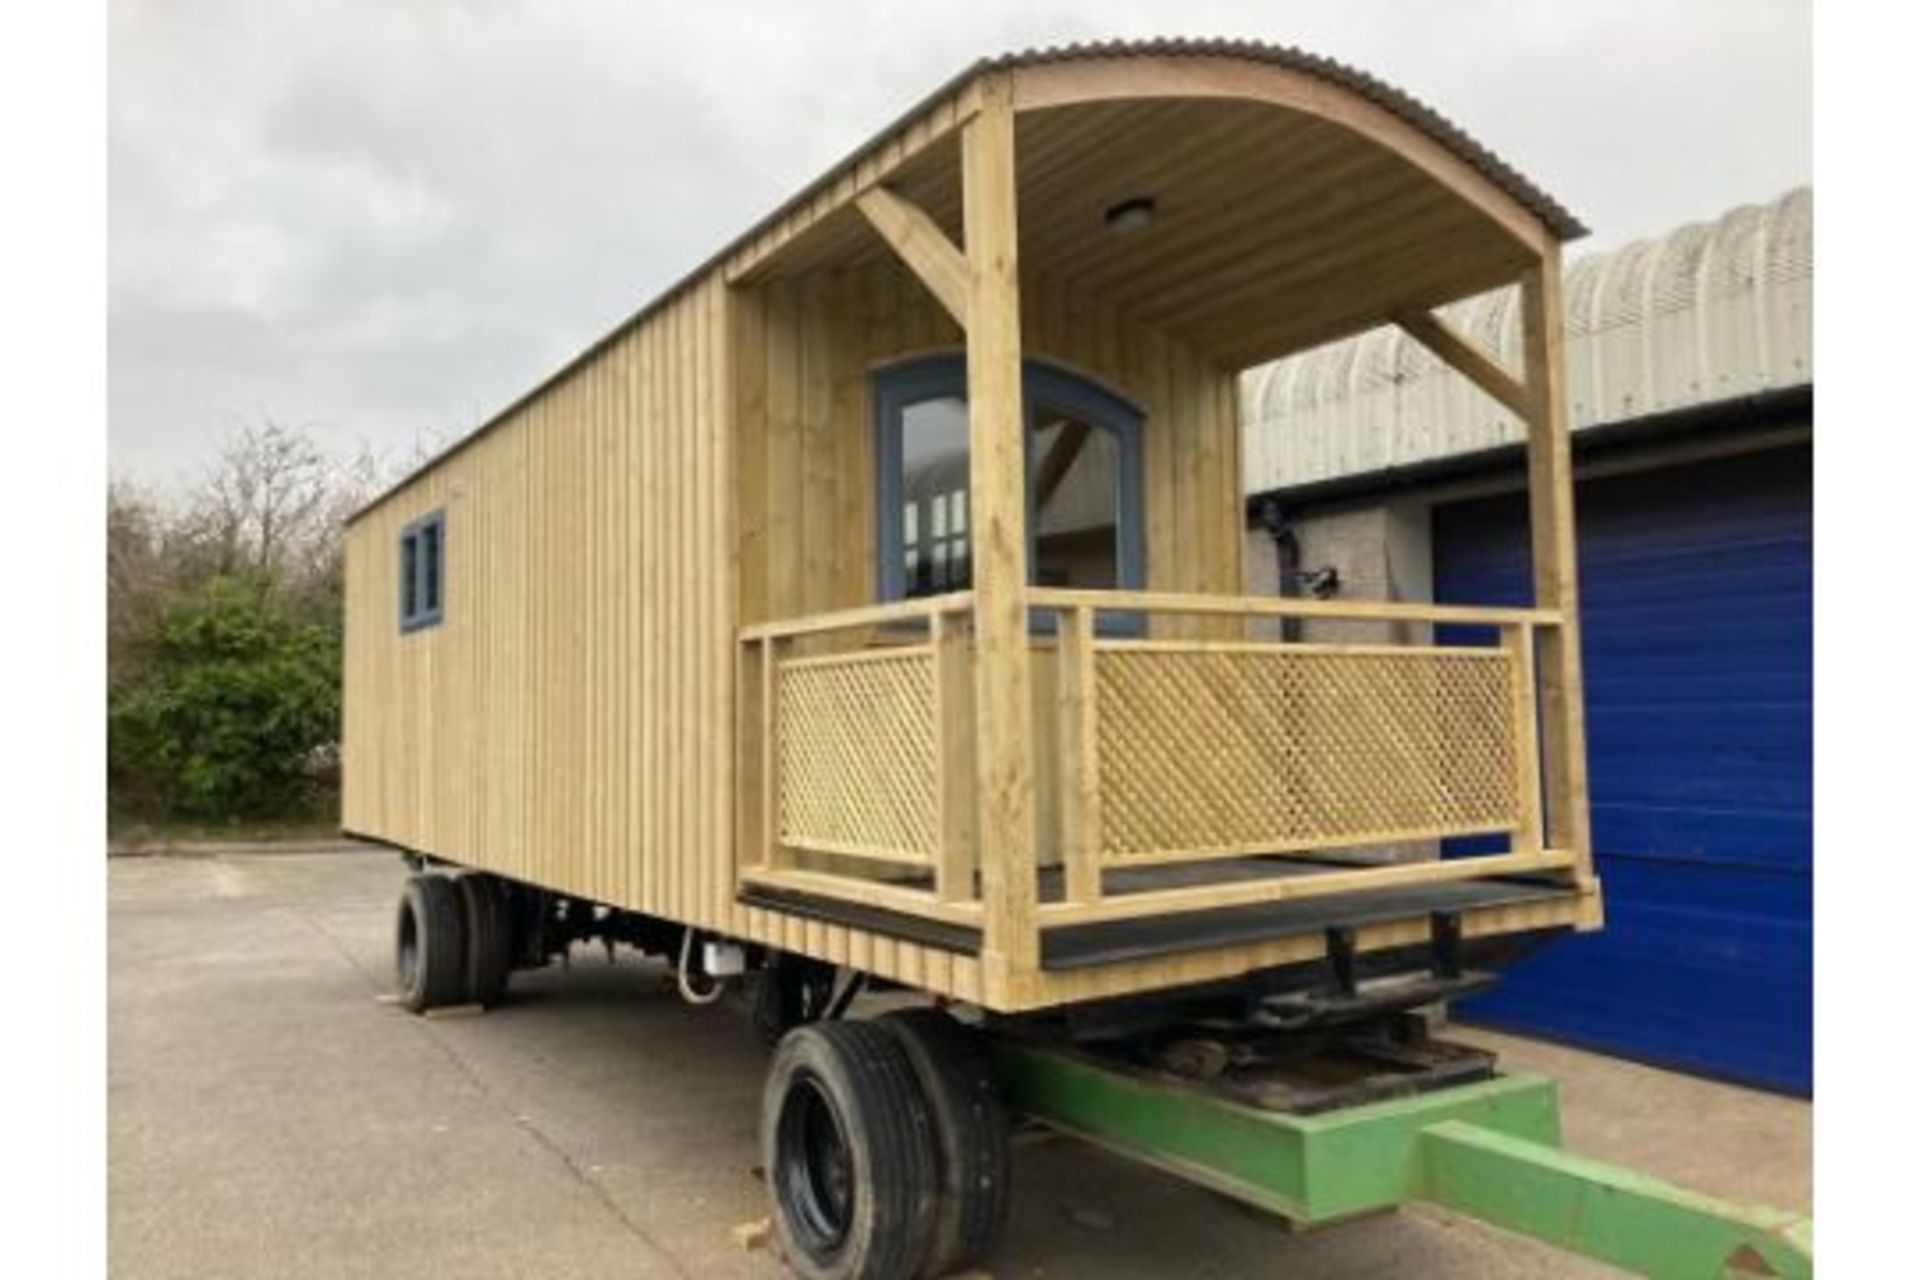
856	754
1289	748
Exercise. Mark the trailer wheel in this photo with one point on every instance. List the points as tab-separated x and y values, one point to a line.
970	1136
489	938
430	943
848	1149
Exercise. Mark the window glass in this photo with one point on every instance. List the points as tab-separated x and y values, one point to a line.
933	497
1075	497
430	560
1083	482
409	577
422	571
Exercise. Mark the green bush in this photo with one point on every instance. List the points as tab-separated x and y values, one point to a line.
235	712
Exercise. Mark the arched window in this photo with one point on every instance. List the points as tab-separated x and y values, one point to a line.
1084	518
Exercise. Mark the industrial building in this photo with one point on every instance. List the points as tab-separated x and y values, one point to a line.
1375	471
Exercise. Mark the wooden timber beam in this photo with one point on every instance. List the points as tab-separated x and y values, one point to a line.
1555	579
1467	359
920	243
1003	699
1059	460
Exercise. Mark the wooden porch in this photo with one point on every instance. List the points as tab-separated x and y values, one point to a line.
1054	781
1181	788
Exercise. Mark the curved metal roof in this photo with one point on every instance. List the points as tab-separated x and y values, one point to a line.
1551	212
1709	311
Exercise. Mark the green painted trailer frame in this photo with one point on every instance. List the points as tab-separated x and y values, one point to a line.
1488	1150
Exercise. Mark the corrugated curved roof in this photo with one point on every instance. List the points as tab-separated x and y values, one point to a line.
1409	108
1706	312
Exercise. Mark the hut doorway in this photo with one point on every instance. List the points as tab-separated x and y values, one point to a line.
1084	504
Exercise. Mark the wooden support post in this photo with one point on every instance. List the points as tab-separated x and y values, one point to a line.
772	653
953	729
1555	573
1517	640
1003	699
750	728
1079	757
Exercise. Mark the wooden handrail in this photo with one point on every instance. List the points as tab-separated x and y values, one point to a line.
1157	602
863	616
1285	607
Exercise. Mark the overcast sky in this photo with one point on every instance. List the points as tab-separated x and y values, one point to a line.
383	220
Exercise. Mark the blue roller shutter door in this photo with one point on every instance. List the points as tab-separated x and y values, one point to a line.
1697	586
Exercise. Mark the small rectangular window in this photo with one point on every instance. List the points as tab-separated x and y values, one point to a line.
430	560
409	576
422	571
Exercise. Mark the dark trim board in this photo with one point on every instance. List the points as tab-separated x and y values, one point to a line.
1721	419
1112	942
348	833
938	934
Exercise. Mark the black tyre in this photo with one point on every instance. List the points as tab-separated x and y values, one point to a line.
848	1149
970	1137
489	938
430	944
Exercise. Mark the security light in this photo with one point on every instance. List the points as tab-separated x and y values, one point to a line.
1130	214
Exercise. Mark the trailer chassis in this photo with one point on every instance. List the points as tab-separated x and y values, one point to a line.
1487	1149
1315	1093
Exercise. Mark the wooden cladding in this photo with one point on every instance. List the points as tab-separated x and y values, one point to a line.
660	677
567	722
810	348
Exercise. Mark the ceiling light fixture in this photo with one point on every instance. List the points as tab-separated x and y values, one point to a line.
1131	214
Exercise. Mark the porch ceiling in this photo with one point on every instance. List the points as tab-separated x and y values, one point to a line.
1273	230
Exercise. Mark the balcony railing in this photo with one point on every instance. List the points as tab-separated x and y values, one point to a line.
1162	757
1215	750
857	762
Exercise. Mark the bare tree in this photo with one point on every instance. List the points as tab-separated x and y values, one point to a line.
270	510
263	505
261	533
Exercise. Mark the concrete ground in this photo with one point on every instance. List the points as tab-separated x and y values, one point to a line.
268	1117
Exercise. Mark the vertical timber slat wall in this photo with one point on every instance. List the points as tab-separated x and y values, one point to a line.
575	719
811	487
571	720
568	721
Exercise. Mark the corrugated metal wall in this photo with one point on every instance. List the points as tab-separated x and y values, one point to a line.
1708	312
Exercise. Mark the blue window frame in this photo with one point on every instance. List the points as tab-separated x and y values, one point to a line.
1085	525
423	553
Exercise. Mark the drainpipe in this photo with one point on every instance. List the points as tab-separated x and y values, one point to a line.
1286	555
